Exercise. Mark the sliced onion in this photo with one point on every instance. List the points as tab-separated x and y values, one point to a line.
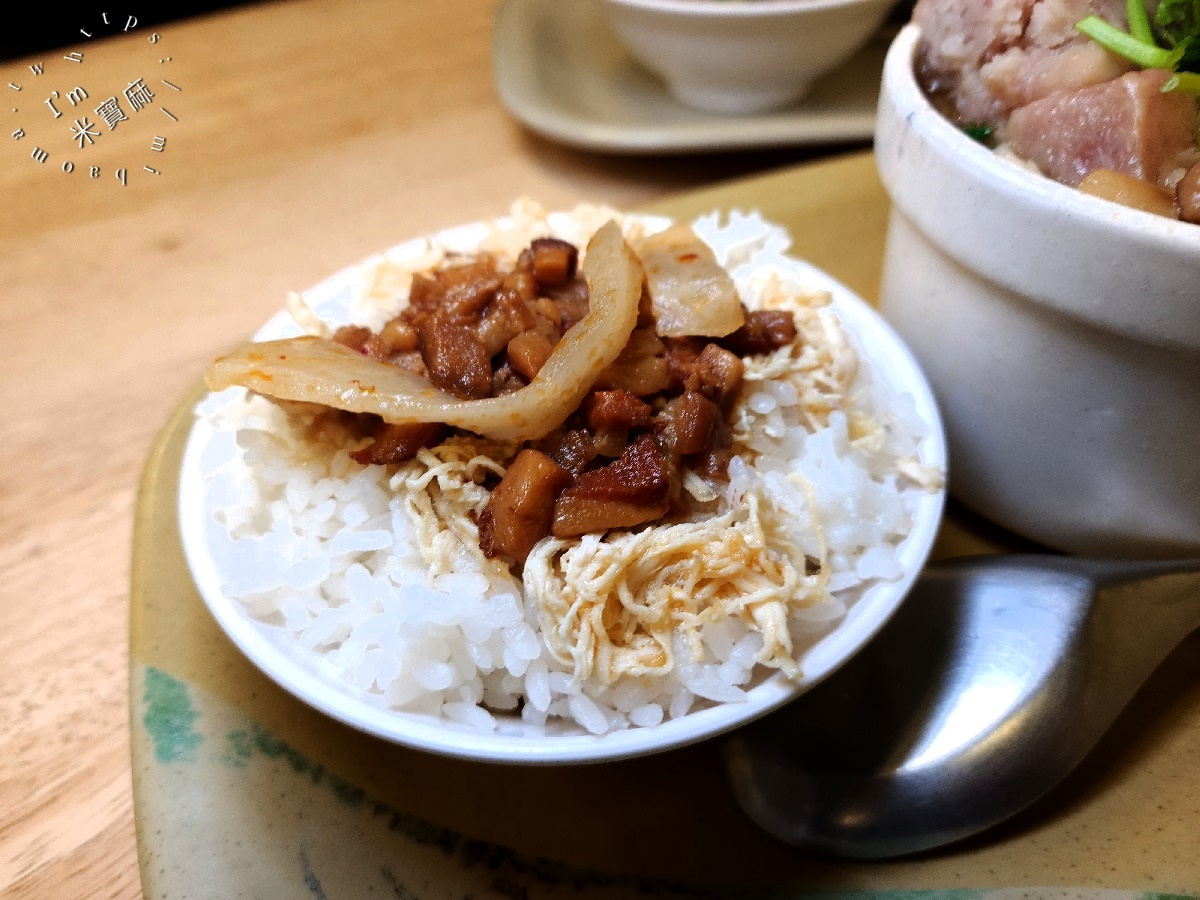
691	293
316	370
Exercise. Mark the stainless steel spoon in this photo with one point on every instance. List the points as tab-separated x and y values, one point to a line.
991	683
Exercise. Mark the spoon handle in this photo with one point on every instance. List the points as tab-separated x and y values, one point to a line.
993	681
1141	613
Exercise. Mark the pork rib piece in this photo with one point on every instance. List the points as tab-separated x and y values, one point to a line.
1127	124
985	58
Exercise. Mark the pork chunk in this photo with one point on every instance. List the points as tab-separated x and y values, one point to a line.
1127	125
984	59
572	449
610	410
353	336
571	300
528	352
1187	195
694	421
519	511
430	290
765	330
636	488
720	373
641	368
455	357
396	443
553	261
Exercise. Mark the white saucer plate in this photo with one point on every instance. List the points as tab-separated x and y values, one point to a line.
561	71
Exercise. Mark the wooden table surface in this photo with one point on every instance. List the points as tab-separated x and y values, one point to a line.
306	135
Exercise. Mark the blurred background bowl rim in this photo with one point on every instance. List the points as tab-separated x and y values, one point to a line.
737	9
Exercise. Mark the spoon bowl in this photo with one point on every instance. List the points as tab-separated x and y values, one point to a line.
992	682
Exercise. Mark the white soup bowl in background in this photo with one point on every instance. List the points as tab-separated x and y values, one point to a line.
1060	332
738	57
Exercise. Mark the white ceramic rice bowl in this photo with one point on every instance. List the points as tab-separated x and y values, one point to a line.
206	546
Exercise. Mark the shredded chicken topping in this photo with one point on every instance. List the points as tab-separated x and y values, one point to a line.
444	494
612	606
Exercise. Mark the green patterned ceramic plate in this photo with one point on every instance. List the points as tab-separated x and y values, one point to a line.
243	791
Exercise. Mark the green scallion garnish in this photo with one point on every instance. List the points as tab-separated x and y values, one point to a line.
1148	56
981	133
1139	21
1171	42
1184	83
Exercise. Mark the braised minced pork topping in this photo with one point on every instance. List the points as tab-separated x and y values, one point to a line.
476	331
